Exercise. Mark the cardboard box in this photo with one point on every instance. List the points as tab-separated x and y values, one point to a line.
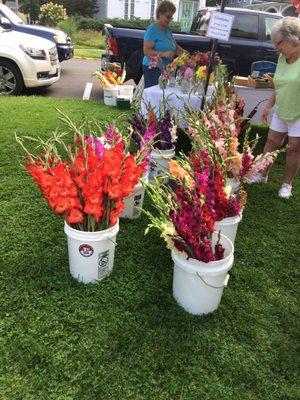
257	82
240	80
270	76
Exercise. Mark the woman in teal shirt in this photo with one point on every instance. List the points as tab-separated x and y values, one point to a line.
286	102
158	41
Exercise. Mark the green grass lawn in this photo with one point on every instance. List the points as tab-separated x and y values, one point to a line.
88	44
126	338
89	38
88	53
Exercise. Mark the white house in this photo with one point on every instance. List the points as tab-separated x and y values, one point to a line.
143	9
283	7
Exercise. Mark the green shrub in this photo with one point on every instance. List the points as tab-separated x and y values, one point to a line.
51	14
69	26
90	23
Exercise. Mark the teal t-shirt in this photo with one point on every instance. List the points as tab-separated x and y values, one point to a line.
163	41
287	89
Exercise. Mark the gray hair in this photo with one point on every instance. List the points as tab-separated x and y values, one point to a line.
288	28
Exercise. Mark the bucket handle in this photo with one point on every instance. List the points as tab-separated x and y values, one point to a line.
214	287
115	243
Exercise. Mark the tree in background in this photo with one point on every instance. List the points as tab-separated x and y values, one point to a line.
32	8
51	14
212	3
84	8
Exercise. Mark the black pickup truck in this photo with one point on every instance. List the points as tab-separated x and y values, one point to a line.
250	41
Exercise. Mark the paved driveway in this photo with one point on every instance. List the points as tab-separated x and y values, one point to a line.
75	82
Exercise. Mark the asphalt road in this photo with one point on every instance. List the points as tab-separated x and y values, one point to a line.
75	75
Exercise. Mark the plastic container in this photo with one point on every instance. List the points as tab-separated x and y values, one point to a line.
262	67
126	90
136	200
198	286
234	184
91	254
228	226
123	102
159	163
110	95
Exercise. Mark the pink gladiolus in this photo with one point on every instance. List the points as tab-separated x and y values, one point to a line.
246	163
220	147
155	61
260	163
192	131
188	73
97	145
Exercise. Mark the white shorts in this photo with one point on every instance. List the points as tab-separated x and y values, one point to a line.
282	125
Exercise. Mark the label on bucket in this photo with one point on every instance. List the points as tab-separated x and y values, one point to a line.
103	264
86	250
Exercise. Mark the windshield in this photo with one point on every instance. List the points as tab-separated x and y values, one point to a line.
12	16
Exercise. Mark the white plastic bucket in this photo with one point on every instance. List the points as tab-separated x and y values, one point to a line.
159	163
131	203
198	286
234	184
126	90
91	254
110	95
228	226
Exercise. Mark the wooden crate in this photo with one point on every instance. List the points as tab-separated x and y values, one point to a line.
240	80
270	76
257	82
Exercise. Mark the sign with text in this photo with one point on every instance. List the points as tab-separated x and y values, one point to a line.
220	25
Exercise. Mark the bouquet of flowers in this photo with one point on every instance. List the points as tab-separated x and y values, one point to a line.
156	62
219	129
161	129
192	67
86	181
113	75
189	207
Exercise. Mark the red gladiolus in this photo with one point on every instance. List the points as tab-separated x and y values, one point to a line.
75	216
90	188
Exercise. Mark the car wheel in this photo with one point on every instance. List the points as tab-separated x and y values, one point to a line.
11	80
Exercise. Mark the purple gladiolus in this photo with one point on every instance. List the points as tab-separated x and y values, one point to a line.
97	145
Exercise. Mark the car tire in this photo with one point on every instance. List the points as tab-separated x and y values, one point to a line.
11	80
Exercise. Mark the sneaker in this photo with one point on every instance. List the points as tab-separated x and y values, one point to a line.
259	178
285	191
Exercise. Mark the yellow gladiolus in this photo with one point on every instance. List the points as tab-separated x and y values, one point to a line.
181	59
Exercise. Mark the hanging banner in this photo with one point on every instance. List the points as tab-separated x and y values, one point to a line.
220	25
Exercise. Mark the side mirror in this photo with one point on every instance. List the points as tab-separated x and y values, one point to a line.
5	23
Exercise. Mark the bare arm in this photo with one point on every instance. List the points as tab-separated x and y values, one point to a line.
150	52
179	50
269	105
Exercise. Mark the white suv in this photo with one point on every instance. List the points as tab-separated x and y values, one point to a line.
26	61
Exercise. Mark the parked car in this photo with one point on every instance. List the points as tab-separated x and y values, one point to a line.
10	20
26	61
250	41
